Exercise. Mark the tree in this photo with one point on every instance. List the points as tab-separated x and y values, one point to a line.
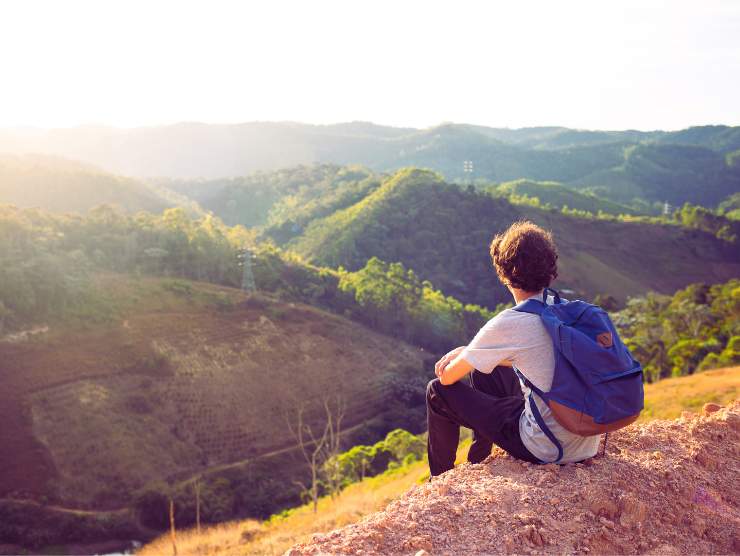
316	449
332	471
402	443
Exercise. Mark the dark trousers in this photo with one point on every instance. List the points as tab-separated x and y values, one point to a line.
489	404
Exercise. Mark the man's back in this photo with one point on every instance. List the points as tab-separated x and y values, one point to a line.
521	339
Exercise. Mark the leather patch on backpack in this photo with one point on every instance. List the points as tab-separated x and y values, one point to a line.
605	339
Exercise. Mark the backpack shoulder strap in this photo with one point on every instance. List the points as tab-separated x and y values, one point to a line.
538	416
544	428
532	306
535	306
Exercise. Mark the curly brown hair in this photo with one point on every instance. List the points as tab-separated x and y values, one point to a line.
525	257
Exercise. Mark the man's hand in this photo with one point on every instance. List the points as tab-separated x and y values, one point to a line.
440	365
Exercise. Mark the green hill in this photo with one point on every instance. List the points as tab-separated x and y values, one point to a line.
558	196
63	185
281	200
442	232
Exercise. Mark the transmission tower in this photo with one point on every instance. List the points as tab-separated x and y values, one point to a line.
245	261
468	171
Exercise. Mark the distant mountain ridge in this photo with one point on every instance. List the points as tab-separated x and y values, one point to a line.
585	158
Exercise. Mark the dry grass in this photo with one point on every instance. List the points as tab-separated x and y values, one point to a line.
224	538
278	534
666	399
663	400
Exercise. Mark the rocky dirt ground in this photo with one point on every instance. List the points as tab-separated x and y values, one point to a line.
664	487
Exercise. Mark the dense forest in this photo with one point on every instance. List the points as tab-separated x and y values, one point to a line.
697	328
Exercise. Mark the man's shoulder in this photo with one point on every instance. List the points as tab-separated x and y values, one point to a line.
509	317
512	314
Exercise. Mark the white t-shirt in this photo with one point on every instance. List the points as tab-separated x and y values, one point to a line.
522	339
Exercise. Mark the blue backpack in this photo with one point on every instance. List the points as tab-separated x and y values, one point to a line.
597	384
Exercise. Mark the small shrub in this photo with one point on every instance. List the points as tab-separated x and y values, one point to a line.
155	364
178	287
276	312
138	404
255	302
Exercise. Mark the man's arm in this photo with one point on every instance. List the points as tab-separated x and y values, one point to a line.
459	368
455	370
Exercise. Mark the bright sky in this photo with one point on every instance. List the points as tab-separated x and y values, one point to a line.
589	64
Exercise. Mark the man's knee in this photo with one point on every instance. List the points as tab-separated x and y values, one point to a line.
433	387
477	379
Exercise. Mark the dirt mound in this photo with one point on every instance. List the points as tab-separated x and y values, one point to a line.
665	487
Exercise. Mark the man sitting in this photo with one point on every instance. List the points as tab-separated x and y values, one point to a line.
495	405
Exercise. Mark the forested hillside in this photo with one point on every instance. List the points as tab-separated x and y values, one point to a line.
63	185
442	232
697	328
284	200
550	194
692	165
48	261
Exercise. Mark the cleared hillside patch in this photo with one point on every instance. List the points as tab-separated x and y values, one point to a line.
186	377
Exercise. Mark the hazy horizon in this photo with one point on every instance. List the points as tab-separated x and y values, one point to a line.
644	66
97	125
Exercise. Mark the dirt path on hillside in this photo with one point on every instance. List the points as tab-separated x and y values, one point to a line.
664	487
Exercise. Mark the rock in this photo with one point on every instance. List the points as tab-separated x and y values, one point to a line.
733	419
664	550
422	552
420	542
710	408
600	505
632	511
698	526
706	460
531	534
